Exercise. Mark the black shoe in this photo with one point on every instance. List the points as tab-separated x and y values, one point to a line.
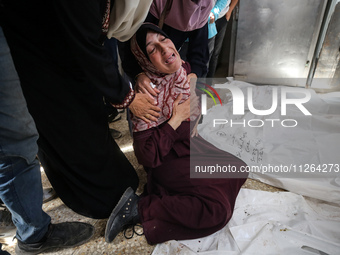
3	252
123	215
114	117
7	228
62	235
5	216
115	133
49	194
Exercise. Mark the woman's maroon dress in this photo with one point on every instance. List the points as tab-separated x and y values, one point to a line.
175	206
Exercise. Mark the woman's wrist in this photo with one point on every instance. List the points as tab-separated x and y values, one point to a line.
174	123
127	100
136	77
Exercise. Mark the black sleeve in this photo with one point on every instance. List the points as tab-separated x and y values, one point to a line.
81	21
198	52
129	62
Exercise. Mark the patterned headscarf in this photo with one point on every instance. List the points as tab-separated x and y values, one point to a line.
169	85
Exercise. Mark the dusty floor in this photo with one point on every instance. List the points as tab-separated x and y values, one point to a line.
120	246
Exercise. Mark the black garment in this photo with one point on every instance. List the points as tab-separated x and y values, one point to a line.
3	252
197	55
65	71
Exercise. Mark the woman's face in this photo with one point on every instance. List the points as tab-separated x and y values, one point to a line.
162	53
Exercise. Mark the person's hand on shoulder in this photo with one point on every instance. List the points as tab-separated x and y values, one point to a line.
144	107
143	85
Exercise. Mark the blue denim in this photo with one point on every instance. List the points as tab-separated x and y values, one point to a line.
20	177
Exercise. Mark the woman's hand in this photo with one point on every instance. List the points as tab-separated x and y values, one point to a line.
212	18
144	108
191	76
194	131
194	103
228	14
143	85
180	112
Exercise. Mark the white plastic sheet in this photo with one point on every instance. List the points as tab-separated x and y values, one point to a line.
305	220
312	145
269	223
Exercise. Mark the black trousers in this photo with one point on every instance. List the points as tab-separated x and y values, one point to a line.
82	161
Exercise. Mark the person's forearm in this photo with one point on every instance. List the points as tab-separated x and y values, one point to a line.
174	123
151	146
232	5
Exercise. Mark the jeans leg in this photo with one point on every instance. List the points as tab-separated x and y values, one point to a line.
211	47
20	178
221	25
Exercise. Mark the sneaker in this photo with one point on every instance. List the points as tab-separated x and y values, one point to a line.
113	118
59	236
5	217
7	228
49	194
2	252
123	215
115	133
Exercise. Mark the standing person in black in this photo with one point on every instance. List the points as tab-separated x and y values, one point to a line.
57	48
20	178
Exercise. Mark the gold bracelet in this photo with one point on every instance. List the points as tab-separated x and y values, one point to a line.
138	75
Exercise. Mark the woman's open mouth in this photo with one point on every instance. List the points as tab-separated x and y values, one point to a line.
171	59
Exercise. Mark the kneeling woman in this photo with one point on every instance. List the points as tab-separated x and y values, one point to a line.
173	206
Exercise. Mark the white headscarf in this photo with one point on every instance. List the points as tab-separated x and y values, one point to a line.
126	17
